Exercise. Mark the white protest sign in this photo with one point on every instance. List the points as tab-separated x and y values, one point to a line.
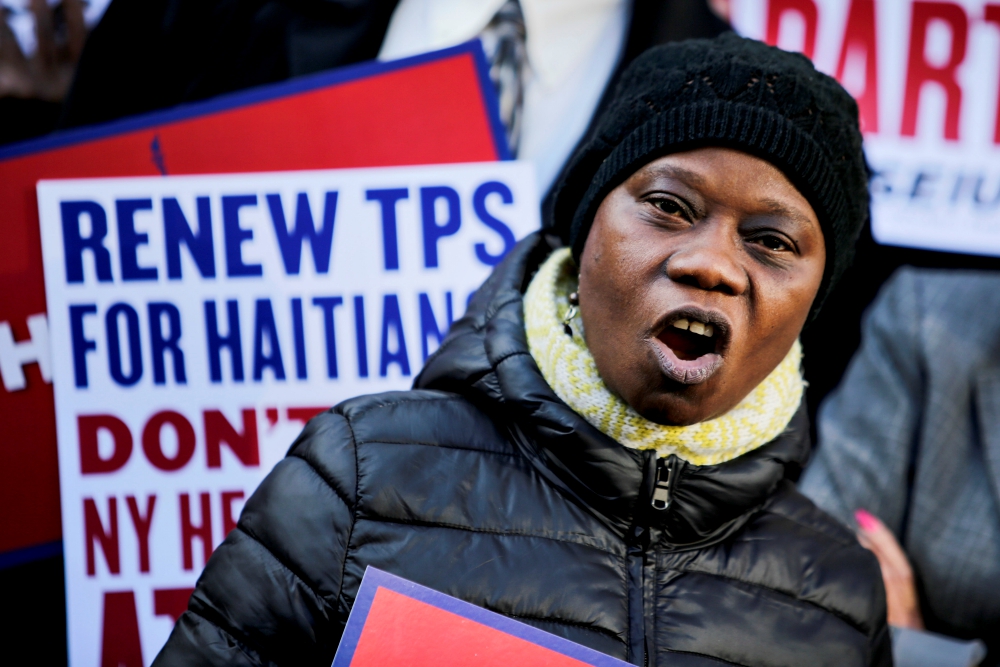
197	322
926	77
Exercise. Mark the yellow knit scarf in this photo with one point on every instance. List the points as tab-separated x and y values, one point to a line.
569	368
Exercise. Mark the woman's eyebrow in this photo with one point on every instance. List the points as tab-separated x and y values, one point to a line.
775	207
691	178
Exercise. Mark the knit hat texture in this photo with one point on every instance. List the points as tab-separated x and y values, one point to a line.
730	92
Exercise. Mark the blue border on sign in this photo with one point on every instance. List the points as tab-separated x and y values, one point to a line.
491	101
24	555
266	93
375	579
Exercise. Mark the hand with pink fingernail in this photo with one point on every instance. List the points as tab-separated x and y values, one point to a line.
900	588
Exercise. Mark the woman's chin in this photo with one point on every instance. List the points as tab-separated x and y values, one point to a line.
677	408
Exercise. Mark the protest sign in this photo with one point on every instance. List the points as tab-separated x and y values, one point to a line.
198	321
397	622
926	76
430	109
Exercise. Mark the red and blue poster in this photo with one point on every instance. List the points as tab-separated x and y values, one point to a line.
398	622
437	108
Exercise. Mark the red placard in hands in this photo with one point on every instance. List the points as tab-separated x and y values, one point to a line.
398	622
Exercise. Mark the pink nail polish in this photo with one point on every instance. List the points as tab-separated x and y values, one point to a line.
867	522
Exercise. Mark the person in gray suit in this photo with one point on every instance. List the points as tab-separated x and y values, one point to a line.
909	450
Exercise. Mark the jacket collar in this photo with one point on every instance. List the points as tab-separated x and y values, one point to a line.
485	358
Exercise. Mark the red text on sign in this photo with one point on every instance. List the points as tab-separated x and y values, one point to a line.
242	442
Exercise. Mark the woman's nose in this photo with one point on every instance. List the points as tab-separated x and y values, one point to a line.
709	259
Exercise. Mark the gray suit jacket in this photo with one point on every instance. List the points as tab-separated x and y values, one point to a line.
912	434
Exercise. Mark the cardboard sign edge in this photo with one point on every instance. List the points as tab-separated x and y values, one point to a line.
269	92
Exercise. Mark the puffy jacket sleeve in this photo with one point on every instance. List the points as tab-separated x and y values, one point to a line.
868	426
270	594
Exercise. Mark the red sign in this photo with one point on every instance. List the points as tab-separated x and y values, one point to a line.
430	109
398	622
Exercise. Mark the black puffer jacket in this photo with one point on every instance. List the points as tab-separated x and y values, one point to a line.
482	484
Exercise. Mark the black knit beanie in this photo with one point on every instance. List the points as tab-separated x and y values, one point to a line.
730	92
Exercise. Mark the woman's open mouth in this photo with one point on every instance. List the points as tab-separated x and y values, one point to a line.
689	346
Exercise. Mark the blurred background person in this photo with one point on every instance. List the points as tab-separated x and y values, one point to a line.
909	451
40	44
552	60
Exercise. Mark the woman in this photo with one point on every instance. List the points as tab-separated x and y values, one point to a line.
614	471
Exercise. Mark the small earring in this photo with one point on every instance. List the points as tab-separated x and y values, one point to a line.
574	301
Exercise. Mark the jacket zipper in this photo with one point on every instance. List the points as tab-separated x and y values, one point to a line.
665	471
664	479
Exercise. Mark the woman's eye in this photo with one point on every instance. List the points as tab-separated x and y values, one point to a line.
772	242
669	206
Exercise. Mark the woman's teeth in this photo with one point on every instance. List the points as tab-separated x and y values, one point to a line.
695	327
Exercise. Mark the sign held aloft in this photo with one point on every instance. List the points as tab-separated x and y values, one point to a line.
198	321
